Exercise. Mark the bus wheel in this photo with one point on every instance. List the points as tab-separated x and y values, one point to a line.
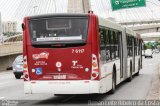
113	83
137	74
59	95
17	76
130	78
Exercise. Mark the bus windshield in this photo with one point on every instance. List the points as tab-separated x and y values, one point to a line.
58	30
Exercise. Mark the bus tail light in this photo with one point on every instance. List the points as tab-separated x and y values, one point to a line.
24	66
25	69
26	76
94	64
95	69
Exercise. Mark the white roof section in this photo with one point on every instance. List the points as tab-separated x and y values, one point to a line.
109	24
129	31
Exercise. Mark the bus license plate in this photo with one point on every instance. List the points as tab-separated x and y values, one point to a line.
59	76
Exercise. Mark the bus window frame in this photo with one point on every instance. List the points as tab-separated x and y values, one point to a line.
108	43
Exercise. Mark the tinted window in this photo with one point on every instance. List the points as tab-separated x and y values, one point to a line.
109	44
58	29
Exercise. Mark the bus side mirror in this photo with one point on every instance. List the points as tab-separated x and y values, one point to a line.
23	27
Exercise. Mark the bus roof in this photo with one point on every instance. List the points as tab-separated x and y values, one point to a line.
109	24
130	32
57	15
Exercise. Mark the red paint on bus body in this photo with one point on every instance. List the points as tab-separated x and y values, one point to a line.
63	57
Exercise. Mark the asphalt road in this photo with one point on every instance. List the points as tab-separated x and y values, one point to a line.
137	89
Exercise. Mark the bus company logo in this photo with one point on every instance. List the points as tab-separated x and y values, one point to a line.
43	55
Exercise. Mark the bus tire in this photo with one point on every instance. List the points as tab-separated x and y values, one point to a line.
17	76
59	95
137	74
130	77
113	82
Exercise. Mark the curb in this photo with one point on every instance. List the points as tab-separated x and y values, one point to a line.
154	92
159	78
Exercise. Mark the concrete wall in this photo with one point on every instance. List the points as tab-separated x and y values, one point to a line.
6	61
10	48
8	52
78	6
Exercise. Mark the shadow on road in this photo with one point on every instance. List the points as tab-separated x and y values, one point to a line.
72	99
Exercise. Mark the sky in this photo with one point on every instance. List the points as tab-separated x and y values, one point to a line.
15	10
8	9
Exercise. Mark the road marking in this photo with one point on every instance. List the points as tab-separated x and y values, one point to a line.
2	98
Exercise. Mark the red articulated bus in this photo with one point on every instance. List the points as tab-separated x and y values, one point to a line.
77	54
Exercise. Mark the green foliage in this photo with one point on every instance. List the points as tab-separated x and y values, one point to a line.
146	46
9	34
152	45
149	45
158	46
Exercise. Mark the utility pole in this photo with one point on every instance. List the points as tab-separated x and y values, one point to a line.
78	6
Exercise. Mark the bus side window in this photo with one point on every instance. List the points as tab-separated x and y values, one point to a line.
102	44
135	46
127	39
129	45
139	46
112	45
101	36
132	46
116	45
107	45
110	50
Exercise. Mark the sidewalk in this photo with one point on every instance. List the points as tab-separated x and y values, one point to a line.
159	80
154	93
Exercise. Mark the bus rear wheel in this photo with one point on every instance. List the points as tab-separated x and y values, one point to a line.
137	74
17	76
130	77
113	83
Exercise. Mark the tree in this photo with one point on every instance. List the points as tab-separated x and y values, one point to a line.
158	47
9	34
149	45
